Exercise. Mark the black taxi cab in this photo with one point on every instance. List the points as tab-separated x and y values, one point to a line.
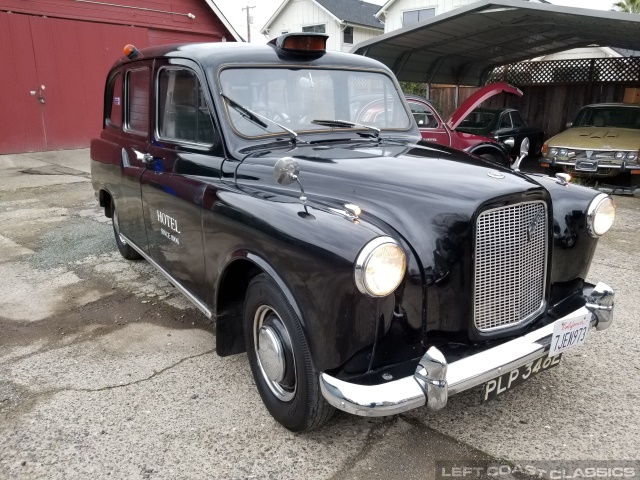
285	191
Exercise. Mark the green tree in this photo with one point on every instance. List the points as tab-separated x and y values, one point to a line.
628	6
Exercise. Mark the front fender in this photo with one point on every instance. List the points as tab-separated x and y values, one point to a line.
310	255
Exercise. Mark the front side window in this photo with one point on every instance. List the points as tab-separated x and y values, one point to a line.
138	101
415	16
182	112
114	102
423	115
296	97
314	29
348	35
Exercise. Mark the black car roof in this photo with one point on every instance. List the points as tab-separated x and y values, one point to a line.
219	53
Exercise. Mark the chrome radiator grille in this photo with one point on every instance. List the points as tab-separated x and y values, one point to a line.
510	265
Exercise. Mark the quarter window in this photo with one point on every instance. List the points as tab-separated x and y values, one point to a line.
114	106
505	121
314	29
415	16
517	120
348	35
138	101
183	114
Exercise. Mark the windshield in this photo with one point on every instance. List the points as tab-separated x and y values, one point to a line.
620	117
295	98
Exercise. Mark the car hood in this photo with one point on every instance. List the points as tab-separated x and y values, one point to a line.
423	193
477	98
597	138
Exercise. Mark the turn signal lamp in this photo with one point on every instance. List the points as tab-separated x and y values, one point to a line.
313	44
131	52
544	149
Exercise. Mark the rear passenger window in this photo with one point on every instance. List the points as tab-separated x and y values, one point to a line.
182	111
114	105
138	101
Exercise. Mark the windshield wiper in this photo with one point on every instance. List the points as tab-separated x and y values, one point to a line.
257	119
345	123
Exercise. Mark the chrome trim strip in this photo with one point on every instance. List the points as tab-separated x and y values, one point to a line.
435	380
201	306
600	165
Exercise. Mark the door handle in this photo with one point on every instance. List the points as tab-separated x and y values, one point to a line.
143	157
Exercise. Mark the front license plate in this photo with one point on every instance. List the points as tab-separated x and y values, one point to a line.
569	333
586	166
515	377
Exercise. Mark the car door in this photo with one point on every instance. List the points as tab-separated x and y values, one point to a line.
134	140
185	158
429	123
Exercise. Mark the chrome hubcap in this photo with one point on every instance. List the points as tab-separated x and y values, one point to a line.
116	224
271	354
273	349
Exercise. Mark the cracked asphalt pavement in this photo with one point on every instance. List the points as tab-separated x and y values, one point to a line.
106	371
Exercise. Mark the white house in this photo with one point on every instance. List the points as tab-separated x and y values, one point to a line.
399	13
346	22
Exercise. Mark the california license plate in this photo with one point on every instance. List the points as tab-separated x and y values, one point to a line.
517	376
569	333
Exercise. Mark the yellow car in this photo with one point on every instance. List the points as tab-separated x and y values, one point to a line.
603	141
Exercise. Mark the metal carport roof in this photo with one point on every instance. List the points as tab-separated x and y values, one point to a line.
464	45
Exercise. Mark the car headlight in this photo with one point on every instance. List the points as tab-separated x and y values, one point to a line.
600	215
553	152
632	156
380	267
563	152
620	155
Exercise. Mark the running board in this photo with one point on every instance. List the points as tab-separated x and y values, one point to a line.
192	298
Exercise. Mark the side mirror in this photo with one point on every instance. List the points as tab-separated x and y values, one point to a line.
524	147
569	124
510	142
524	150
286	171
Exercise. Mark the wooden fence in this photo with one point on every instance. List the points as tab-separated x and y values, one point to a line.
554	91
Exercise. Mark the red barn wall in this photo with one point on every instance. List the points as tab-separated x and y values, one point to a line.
68	47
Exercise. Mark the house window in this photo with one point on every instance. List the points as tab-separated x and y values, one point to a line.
415	16
137	112
314	29
348	35
183	114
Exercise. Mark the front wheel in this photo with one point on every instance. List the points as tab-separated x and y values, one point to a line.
126	250
280	359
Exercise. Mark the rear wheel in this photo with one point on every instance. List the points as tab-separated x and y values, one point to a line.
280	359
126	250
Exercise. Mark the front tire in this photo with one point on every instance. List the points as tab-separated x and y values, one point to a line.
280	359
126	250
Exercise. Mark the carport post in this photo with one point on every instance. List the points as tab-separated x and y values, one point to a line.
428	90
457	96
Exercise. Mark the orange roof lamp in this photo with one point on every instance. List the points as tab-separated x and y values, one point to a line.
131	52
301	44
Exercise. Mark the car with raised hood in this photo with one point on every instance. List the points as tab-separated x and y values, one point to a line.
359	267
603	141
452	132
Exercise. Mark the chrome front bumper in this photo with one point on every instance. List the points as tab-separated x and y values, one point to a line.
435	379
